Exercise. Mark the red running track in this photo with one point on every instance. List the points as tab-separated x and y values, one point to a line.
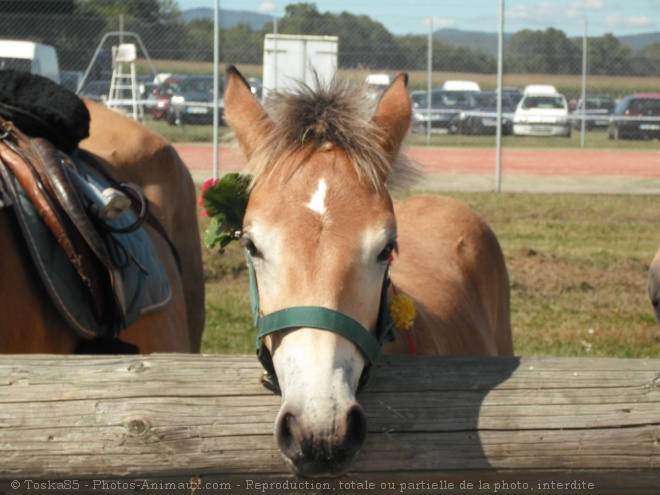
451	161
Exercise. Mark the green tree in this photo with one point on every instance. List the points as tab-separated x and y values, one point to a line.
145	10
649	60
608	56
241	44
37	7
545	52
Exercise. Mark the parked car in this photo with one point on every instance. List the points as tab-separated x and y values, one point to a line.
514	95
445	106
192	102
459	85
636	117
96	90
418	99
542	112
256	86
482	119
596	113
70	79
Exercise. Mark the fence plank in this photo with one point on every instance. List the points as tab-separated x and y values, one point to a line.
173	418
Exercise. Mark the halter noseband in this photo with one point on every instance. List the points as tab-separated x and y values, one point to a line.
322	318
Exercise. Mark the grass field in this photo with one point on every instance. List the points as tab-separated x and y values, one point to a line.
577	266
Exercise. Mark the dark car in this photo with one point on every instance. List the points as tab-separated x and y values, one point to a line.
192	102
482	118
514	95
96	90
445	106
636	117
597	112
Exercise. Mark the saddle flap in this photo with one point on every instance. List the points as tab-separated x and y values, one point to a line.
114	259
26	163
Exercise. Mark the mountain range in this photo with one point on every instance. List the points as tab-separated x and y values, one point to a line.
475	40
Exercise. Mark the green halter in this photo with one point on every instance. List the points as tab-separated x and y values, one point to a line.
322	318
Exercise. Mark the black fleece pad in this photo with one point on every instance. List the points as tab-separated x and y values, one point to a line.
40	107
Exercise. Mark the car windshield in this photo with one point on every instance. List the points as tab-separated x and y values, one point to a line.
487	99
196	85
451	99
543	102
419	100
644	106
599	103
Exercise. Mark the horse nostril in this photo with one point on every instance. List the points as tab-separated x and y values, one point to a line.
288	436
356	427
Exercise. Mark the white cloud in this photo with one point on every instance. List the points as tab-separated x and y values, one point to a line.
620	21
266	7
639	21
439	22
587	5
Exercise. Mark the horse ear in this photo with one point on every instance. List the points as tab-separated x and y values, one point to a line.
393	114
243	112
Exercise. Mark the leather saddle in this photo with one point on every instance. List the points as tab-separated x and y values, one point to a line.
91	244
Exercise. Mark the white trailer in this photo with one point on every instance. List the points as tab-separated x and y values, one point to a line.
29	56
289	59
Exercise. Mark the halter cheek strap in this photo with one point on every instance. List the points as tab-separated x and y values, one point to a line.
322	318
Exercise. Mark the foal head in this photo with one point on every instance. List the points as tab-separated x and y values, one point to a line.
319	229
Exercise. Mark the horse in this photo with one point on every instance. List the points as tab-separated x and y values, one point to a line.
320	231
654	285
128	152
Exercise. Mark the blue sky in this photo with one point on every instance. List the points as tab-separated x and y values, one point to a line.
411	16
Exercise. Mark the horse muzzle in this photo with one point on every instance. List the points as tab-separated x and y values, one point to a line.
310	452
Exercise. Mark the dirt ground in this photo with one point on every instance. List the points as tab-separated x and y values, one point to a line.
607	171
450	161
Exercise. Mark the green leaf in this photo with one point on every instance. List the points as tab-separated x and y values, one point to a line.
225	203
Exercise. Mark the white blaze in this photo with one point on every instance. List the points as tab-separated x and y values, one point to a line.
317	203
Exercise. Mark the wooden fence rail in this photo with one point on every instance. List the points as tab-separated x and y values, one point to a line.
203	424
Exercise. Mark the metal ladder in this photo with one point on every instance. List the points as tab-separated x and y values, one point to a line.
125	83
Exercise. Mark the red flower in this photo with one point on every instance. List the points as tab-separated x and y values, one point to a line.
207	184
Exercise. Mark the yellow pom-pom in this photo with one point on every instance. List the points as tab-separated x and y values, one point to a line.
402	311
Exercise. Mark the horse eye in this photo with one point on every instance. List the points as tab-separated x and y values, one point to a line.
385	254
250	246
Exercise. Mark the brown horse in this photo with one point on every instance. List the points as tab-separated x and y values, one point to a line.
129	152
320	229
654	285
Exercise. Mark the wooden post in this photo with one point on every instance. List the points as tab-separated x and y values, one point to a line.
436	425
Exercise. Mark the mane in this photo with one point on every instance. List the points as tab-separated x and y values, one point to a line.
335	115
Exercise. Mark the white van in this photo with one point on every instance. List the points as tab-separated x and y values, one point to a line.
456	85
29	56
542	112
538	89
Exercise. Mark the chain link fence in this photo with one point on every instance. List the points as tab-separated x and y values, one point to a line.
177	45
